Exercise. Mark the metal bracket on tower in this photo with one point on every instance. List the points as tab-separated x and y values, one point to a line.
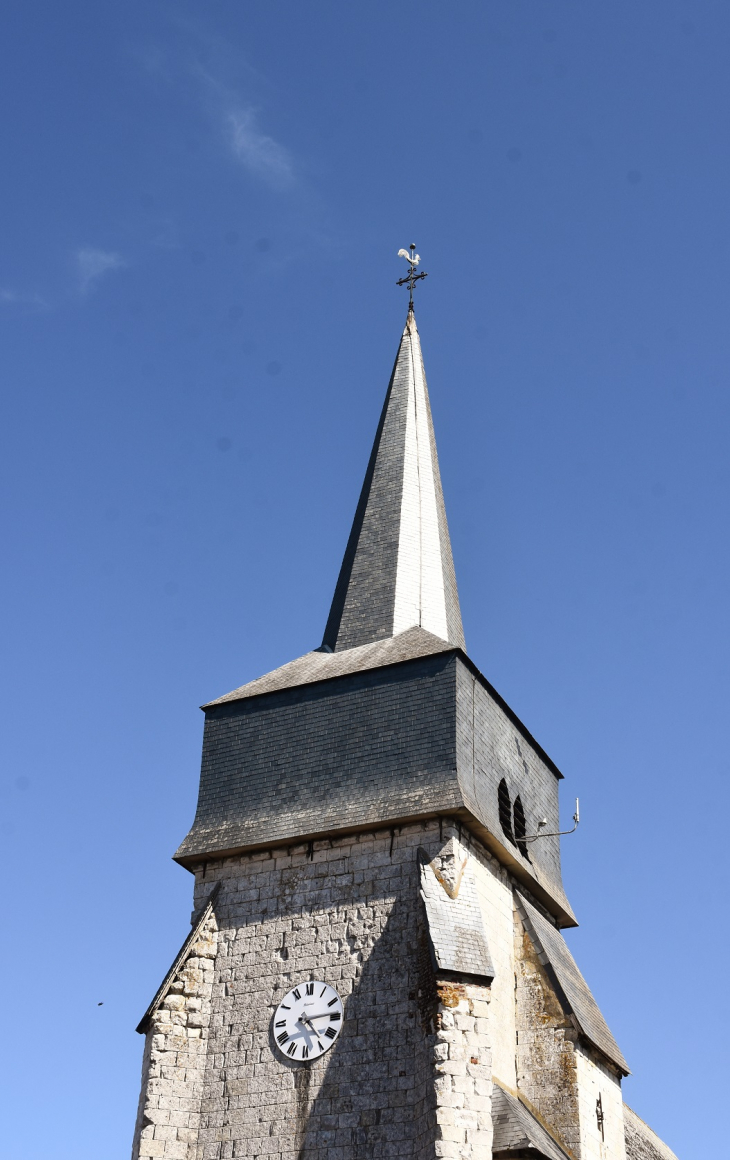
542	833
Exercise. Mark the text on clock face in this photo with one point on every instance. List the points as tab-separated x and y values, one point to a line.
308	1020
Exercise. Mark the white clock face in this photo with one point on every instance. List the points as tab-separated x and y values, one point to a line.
308	1020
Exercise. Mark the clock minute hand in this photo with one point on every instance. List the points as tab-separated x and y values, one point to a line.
306	1020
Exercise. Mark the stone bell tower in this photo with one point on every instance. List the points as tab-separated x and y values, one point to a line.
366	834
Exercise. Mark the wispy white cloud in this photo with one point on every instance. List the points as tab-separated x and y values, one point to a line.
261	155
92	263
18	298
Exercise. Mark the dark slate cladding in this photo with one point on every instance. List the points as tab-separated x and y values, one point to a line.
366	583
359	751
493	747
576	994
517	1131
372	748
363	605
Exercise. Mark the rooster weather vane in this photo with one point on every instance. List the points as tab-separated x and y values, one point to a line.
411	277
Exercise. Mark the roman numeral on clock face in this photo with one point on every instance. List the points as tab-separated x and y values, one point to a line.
280	1023
305	1053
282	1038
330	1033
310	988
296	994
291	1049
333	1001
336	1015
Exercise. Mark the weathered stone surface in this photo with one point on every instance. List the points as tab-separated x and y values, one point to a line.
559	1072
577	997
547	1071
412	1064
173	1067
411	1075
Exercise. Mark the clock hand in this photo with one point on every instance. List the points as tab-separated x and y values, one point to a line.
305	1019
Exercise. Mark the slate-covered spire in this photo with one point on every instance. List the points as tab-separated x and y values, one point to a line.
398	570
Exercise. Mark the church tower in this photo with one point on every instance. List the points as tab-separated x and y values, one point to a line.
376	966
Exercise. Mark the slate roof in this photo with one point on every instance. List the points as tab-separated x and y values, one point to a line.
325	666
517	1130
455	925
576	993
641	1142
398	569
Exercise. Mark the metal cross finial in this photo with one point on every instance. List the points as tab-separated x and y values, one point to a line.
411	277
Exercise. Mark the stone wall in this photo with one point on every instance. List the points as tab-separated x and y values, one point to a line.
494	887
463	1082
409	1076
596	1079
174	1062
547	1070
558	1072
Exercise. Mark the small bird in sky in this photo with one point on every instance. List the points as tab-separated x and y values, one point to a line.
413	258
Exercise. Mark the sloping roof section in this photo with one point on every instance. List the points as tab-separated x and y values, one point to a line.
324	666
455	924
517	1130
398	570
641	1142
572	988
179	960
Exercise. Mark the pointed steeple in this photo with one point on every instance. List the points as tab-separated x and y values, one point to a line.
398	570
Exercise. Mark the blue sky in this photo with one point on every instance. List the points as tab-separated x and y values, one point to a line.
202	206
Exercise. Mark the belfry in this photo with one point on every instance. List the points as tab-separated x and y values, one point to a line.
376	966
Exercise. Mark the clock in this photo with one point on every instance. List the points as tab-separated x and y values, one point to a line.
308	1020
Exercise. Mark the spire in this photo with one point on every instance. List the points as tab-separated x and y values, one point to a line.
398	571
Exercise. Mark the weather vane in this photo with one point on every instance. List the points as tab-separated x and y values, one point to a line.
411	277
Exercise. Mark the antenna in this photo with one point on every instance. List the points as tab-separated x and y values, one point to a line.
541	833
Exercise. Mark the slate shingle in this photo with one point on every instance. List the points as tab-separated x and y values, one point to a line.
641	1142
517	1130
455	925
